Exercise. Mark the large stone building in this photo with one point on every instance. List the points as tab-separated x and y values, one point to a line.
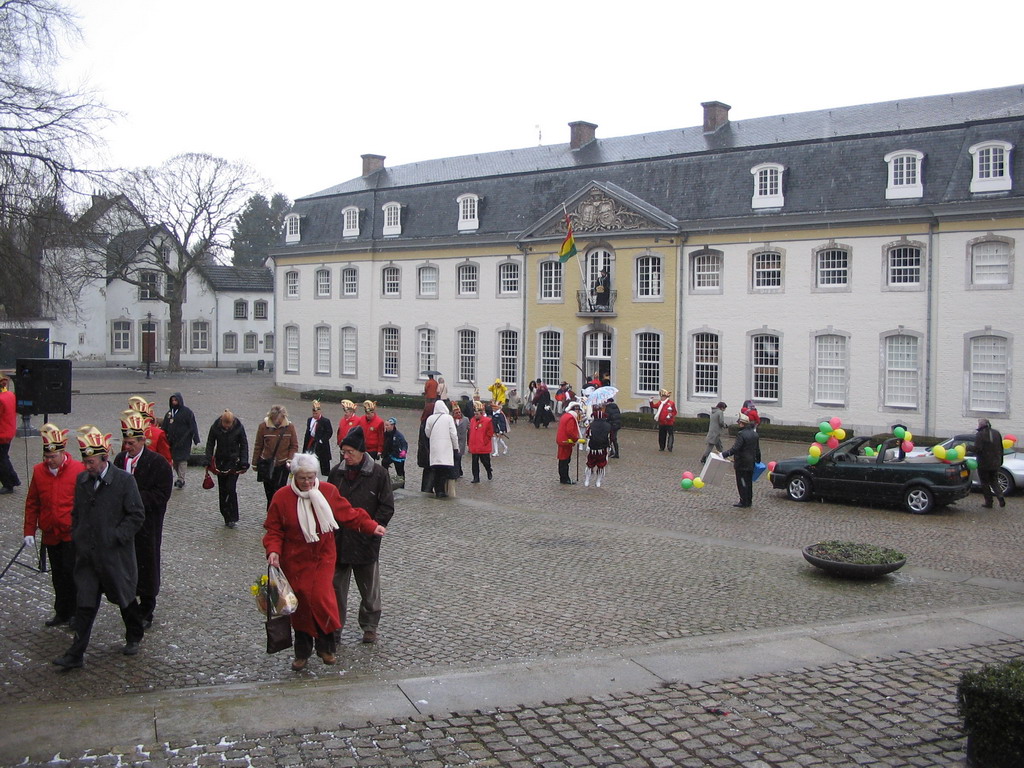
854	262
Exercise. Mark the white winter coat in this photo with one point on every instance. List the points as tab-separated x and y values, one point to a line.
443	437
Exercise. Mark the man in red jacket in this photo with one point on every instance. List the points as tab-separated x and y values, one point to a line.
51	495
8	427
567	437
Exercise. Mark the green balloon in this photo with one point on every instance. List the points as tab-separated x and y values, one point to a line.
687	483
899	432
812	460
972	464
821	437
825	427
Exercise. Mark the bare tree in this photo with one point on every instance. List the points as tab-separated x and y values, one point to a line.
42	130
171	220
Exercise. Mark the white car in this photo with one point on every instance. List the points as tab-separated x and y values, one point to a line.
1011	474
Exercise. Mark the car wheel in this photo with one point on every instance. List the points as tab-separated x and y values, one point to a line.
1006	484
799	487
919	500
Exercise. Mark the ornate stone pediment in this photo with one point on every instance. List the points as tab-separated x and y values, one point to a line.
599	212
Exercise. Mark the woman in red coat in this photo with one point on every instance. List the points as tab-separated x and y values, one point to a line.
481	430
373	429
301	517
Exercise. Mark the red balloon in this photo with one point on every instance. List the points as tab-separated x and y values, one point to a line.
832	443
835	422
687	475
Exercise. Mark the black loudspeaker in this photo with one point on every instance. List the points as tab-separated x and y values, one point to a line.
43	386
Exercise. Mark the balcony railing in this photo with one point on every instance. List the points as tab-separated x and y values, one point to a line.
588	304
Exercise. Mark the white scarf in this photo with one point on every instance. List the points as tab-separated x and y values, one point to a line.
313	510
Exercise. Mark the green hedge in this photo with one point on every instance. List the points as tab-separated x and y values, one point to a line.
991	702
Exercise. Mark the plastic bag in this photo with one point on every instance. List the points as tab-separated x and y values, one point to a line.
278	591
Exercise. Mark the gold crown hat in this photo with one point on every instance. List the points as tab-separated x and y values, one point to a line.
664	392
92	442
316	405
54	438
348	405
140	404
369	405
133	424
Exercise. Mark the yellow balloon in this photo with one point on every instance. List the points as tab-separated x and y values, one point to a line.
698	483
908	437
839	434
939	452
1007	444
814	450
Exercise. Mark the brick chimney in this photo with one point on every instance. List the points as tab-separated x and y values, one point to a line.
372	163
716	114
581	134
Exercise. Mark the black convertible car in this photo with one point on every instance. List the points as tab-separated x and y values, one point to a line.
850	473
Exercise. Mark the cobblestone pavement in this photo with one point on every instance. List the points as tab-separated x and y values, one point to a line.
521	569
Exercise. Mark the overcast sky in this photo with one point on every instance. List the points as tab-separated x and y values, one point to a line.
299	90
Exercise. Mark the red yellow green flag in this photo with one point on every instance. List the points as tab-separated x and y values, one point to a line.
568	249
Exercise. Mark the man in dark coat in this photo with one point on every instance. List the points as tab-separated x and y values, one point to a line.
153	477
988	447
318	438
615	419
107	514
747	452
182	433
365	484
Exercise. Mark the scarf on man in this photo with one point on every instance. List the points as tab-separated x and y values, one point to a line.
313	511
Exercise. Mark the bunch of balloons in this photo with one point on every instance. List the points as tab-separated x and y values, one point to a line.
830	434
690	482
1009	441
901	433
951	454
771	468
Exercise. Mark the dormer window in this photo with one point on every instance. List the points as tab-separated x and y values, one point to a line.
350	219
767	186
991	166
468	212
392	219
905	176
292	231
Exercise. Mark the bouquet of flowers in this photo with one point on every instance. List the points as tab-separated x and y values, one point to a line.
273	588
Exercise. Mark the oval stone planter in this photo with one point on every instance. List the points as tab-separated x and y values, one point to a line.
852	570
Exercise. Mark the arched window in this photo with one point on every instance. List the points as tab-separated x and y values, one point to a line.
323	283
392	219
350	221
468	212
469	279
905	174
991	166
648	277
768	191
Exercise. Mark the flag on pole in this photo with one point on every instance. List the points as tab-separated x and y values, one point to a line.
568	249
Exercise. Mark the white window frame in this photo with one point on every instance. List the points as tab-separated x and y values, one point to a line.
993	270
121	337
765	366
705	363
240	310
322	280
768	178
427	288
906	174
831	274
269	341
898	273
291	284
764	263
552	281
508	356
469	212
390	352
392	219
292	228
292	351
467	348
322	350
468	279
648	368
251	343
595	260
349	282
349	350
988	362
199	337
549	358
391	281
230	343
509	279
350	221
149	289
260	310
901	370
992	166
830	353
426	350
706	266
649	272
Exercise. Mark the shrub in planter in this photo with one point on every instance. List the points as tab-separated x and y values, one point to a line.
990	701
853	560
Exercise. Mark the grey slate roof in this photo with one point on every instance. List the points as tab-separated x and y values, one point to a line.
248	279
833	159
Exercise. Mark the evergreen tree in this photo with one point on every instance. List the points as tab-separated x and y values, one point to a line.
257	229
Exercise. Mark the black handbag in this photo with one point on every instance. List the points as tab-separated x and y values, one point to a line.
279	627
265	467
